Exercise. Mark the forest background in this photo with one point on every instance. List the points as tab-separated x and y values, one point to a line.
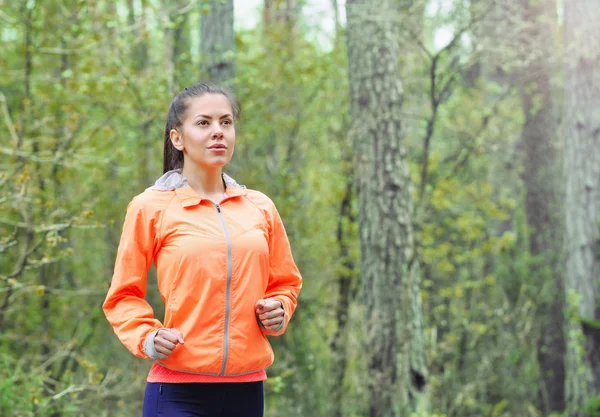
454	144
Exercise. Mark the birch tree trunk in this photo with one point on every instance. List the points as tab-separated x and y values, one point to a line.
582	171
388	271
543	197
217	42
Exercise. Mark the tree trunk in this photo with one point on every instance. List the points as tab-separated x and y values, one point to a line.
181	52
388	270
217	42
140	60
281	13
280	27
139	49
346	276
582	171
543	198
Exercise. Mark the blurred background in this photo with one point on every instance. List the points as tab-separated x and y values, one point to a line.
435	162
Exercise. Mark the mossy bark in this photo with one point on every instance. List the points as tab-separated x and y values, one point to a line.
543	200
582	214
217	41
391	287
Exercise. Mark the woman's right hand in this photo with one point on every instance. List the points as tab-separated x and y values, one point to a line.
166	340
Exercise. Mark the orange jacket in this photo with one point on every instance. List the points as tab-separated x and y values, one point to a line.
213	261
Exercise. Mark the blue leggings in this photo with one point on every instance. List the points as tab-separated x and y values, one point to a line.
230	399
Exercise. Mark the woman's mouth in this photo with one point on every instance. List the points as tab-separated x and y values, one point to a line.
218	148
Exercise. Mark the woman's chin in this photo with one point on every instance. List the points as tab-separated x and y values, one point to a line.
215	163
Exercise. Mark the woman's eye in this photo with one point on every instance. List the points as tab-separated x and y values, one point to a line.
202	123
227	122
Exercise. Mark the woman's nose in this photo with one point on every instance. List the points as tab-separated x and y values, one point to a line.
217	131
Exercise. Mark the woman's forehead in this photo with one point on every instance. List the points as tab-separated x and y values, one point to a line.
212	105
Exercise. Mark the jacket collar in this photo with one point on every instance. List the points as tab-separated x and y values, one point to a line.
174	180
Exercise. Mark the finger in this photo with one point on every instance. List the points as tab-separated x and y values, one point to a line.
163	350
177	334
166	334
269	305
271	314
164	343
260	304
272	322
273	304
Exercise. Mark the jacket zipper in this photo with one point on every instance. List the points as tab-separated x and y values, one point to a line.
228	292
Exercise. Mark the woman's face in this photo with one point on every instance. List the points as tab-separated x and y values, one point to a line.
207	134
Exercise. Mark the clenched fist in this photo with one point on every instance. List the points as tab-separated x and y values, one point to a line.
270	313
166	340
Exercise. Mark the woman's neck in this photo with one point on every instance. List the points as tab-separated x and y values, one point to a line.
204	181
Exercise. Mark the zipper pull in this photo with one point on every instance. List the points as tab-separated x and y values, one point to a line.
218	208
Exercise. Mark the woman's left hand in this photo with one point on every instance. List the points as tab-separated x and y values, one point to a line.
270	313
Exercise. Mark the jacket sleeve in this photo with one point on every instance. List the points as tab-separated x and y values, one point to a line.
285	280
125	307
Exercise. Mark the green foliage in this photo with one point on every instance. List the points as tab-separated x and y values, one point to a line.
21	393
590	322
474	253
592	407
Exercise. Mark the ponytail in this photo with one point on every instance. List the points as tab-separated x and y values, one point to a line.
173	157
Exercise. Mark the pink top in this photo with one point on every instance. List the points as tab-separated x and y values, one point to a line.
159	373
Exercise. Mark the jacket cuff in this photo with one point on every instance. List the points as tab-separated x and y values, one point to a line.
149	348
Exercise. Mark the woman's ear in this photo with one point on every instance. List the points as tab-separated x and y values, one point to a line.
176	139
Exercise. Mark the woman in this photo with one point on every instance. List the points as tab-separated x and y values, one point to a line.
224	265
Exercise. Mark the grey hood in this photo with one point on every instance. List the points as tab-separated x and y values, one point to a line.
173	180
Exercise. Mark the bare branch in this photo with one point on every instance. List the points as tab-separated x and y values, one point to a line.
469	149
8	120
69	390
185	9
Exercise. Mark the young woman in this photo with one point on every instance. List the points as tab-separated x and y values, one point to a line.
225	271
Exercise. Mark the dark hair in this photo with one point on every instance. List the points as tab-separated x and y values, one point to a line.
173	158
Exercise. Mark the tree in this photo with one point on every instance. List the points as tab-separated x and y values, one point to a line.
175	21
542	184
388	270
346	274
217	43
582	199
281	12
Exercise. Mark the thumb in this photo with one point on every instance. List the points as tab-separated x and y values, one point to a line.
260	304
177	334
